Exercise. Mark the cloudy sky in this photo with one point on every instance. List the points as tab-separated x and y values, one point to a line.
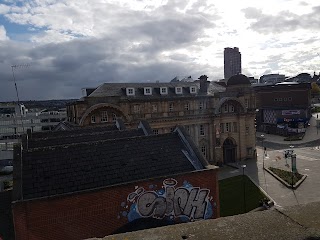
61	46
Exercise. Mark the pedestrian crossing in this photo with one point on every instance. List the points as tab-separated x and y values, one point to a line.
308	153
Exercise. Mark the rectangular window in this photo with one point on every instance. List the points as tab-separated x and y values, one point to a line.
114	117
201	105
222	127
246	103
154	108
227	127
187	106
204	150
285	99
104	116
163	90
289	98
231	108
93	119
147	91
193	89
249	151
187	128
155	131
171	129
226	108
235	127
276	99
170	107
130	91
201	130
136	108
178	90
247	130
280	99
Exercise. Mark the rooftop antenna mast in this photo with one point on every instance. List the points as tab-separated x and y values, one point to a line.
13	67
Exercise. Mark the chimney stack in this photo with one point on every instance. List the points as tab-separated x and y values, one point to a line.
203	84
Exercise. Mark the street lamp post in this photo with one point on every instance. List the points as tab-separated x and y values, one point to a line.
262	136
244	188
293	167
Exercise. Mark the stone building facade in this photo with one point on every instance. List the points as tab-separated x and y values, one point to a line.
219	119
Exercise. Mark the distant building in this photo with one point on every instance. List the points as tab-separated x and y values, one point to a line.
220	119
232	62
96	181
283	108
253	80
16	119
272	78
303	77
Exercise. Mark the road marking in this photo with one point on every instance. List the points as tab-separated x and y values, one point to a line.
307	169
277	205
310	159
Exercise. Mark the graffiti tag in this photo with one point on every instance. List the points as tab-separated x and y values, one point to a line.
170	202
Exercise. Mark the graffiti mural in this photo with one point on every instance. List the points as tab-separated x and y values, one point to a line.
175	204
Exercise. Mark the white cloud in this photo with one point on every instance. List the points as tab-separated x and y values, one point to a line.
77	43
3	33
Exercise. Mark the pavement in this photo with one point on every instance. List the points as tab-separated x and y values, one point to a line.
281	195
311	136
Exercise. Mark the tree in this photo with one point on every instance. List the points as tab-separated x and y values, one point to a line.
315	89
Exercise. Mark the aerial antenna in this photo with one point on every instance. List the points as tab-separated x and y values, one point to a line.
13	67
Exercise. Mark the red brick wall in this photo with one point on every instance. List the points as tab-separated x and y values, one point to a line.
96	213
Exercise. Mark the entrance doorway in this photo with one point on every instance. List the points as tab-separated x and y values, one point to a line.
229	151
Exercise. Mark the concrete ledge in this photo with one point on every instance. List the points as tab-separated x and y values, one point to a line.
284	182
291	223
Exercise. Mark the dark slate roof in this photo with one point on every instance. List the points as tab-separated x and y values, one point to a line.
119	89
78	137
76	130
64	169
238	79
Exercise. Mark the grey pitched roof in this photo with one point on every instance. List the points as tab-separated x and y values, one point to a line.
73	137
119	89
58	170
74	131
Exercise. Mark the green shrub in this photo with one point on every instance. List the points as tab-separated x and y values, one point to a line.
286	175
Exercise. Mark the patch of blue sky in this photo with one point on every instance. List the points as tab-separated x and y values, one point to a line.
19	32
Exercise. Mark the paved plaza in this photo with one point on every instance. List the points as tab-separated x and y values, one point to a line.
307	151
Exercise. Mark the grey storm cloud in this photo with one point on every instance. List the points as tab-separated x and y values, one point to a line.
284	21
126	53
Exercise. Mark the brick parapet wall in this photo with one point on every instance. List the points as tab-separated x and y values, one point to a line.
96	213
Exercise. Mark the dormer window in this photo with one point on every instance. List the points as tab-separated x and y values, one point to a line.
193	89
178	90
147	91
130	91
163	90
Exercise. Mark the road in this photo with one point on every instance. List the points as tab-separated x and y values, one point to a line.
308	162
